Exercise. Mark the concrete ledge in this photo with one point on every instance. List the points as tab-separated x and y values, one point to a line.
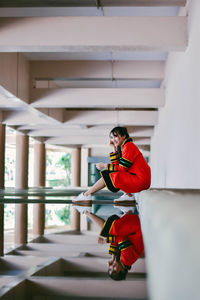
170	222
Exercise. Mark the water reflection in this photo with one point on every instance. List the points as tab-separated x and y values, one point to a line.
106	209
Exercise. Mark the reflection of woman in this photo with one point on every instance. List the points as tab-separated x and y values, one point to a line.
125	237
128	170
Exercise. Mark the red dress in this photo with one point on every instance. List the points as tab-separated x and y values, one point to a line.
125	236
129	173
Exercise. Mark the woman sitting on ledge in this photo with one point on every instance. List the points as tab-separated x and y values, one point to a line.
128	170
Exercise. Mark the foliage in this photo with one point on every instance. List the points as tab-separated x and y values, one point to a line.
48	160
64	214
57	182
9	168
57	215
48	215
58	173
65	163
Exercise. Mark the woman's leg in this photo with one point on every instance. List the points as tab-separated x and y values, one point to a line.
95	188
99	221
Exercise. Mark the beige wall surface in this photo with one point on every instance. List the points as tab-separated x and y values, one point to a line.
175	146
14	75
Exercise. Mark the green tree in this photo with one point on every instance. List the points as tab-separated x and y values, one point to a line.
48	161
64	214
65	163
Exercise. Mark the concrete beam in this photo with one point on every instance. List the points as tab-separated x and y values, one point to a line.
66	34
112	118
97	98
90	3
89	140
87	11
55	113
9	103
14	118
140	131
63	288
97	69
83	118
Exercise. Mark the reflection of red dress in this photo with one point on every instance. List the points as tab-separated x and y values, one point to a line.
130	173
125	236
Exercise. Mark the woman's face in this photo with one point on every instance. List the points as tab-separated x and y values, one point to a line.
117	139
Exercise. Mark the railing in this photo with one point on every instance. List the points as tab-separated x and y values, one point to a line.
53	196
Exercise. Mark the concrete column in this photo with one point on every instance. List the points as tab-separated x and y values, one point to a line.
76	167
85	152
21	182
39	181
76	170
2	169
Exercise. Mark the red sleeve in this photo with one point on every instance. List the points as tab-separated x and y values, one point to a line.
107	226
114	246
114	249
126	225
124	250
128	253
129	154
114	158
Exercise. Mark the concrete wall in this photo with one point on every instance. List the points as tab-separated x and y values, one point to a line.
175	146
14	75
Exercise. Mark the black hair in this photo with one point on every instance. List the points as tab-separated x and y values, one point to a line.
118	276
119	130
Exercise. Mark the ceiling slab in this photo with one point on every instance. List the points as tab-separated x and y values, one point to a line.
93	65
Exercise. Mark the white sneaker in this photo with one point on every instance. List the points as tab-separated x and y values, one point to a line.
82	209
125	209
125	197
82	197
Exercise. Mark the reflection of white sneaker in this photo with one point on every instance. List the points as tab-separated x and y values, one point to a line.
82	209
82	197
125	197
125	209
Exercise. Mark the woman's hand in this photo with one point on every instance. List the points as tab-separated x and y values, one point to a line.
113	145
101	240
101	166
110	262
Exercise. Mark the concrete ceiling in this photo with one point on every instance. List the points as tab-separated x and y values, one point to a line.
88	66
